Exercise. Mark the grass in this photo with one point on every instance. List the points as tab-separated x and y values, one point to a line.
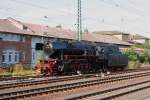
137	64
18	70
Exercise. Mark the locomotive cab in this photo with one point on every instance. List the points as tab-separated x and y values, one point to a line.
116	59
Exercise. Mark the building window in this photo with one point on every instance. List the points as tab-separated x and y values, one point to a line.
22	39
10	57
3	58
33	56
16	57
1	38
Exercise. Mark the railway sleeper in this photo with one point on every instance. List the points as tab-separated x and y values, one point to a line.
86	95
33	83
58	89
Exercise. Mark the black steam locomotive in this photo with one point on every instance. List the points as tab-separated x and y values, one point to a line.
72	57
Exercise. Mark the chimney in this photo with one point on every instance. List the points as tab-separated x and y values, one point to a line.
86	31
59	26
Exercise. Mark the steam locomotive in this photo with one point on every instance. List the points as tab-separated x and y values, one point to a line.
73	57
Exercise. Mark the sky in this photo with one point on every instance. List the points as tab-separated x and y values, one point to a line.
131	16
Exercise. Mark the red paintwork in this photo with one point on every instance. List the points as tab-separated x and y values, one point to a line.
78	63
49	64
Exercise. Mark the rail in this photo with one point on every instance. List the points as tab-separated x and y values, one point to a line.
25	92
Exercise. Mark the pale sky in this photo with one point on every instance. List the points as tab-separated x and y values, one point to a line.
98	15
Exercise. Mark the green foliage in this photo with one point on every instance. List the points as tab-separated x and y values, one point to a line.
144	56
144	46
132	55
134	64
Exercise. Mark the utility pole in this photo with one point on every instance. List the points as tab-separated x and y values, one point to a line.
79	36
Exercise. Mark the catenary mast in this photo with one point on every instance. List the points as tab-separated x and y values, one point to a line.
79	24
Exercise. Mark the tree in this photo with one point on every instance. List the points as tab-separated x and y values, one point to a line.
144	56
132	55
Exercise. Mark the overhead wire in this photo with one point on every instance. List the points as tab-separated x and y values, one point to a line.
37	6
112	3
44	8
139	10
141	16
127	10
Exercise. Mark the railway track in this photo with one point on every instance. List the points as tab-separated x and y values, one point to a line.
8	78
22	82
112	93
34	81
34	91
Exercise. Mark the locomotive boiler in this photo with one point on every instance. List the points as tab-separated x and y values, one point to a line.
73	57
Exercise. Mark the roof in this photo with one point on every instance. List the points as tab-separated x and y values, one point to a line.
50	31
110	33
104	39
47	31
7	26
137	37
11	25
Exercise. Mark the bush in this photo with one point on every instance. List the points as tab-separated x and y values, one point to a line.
145	46
144	56
132	55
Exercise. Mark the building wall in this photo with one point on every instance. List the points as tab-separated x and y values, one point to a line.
125	37
21	48
140	41
13	50
147	41
36	54
39	54
118	36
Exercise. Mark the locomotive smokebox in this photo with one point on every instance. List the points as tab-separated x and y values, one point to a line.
48	47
